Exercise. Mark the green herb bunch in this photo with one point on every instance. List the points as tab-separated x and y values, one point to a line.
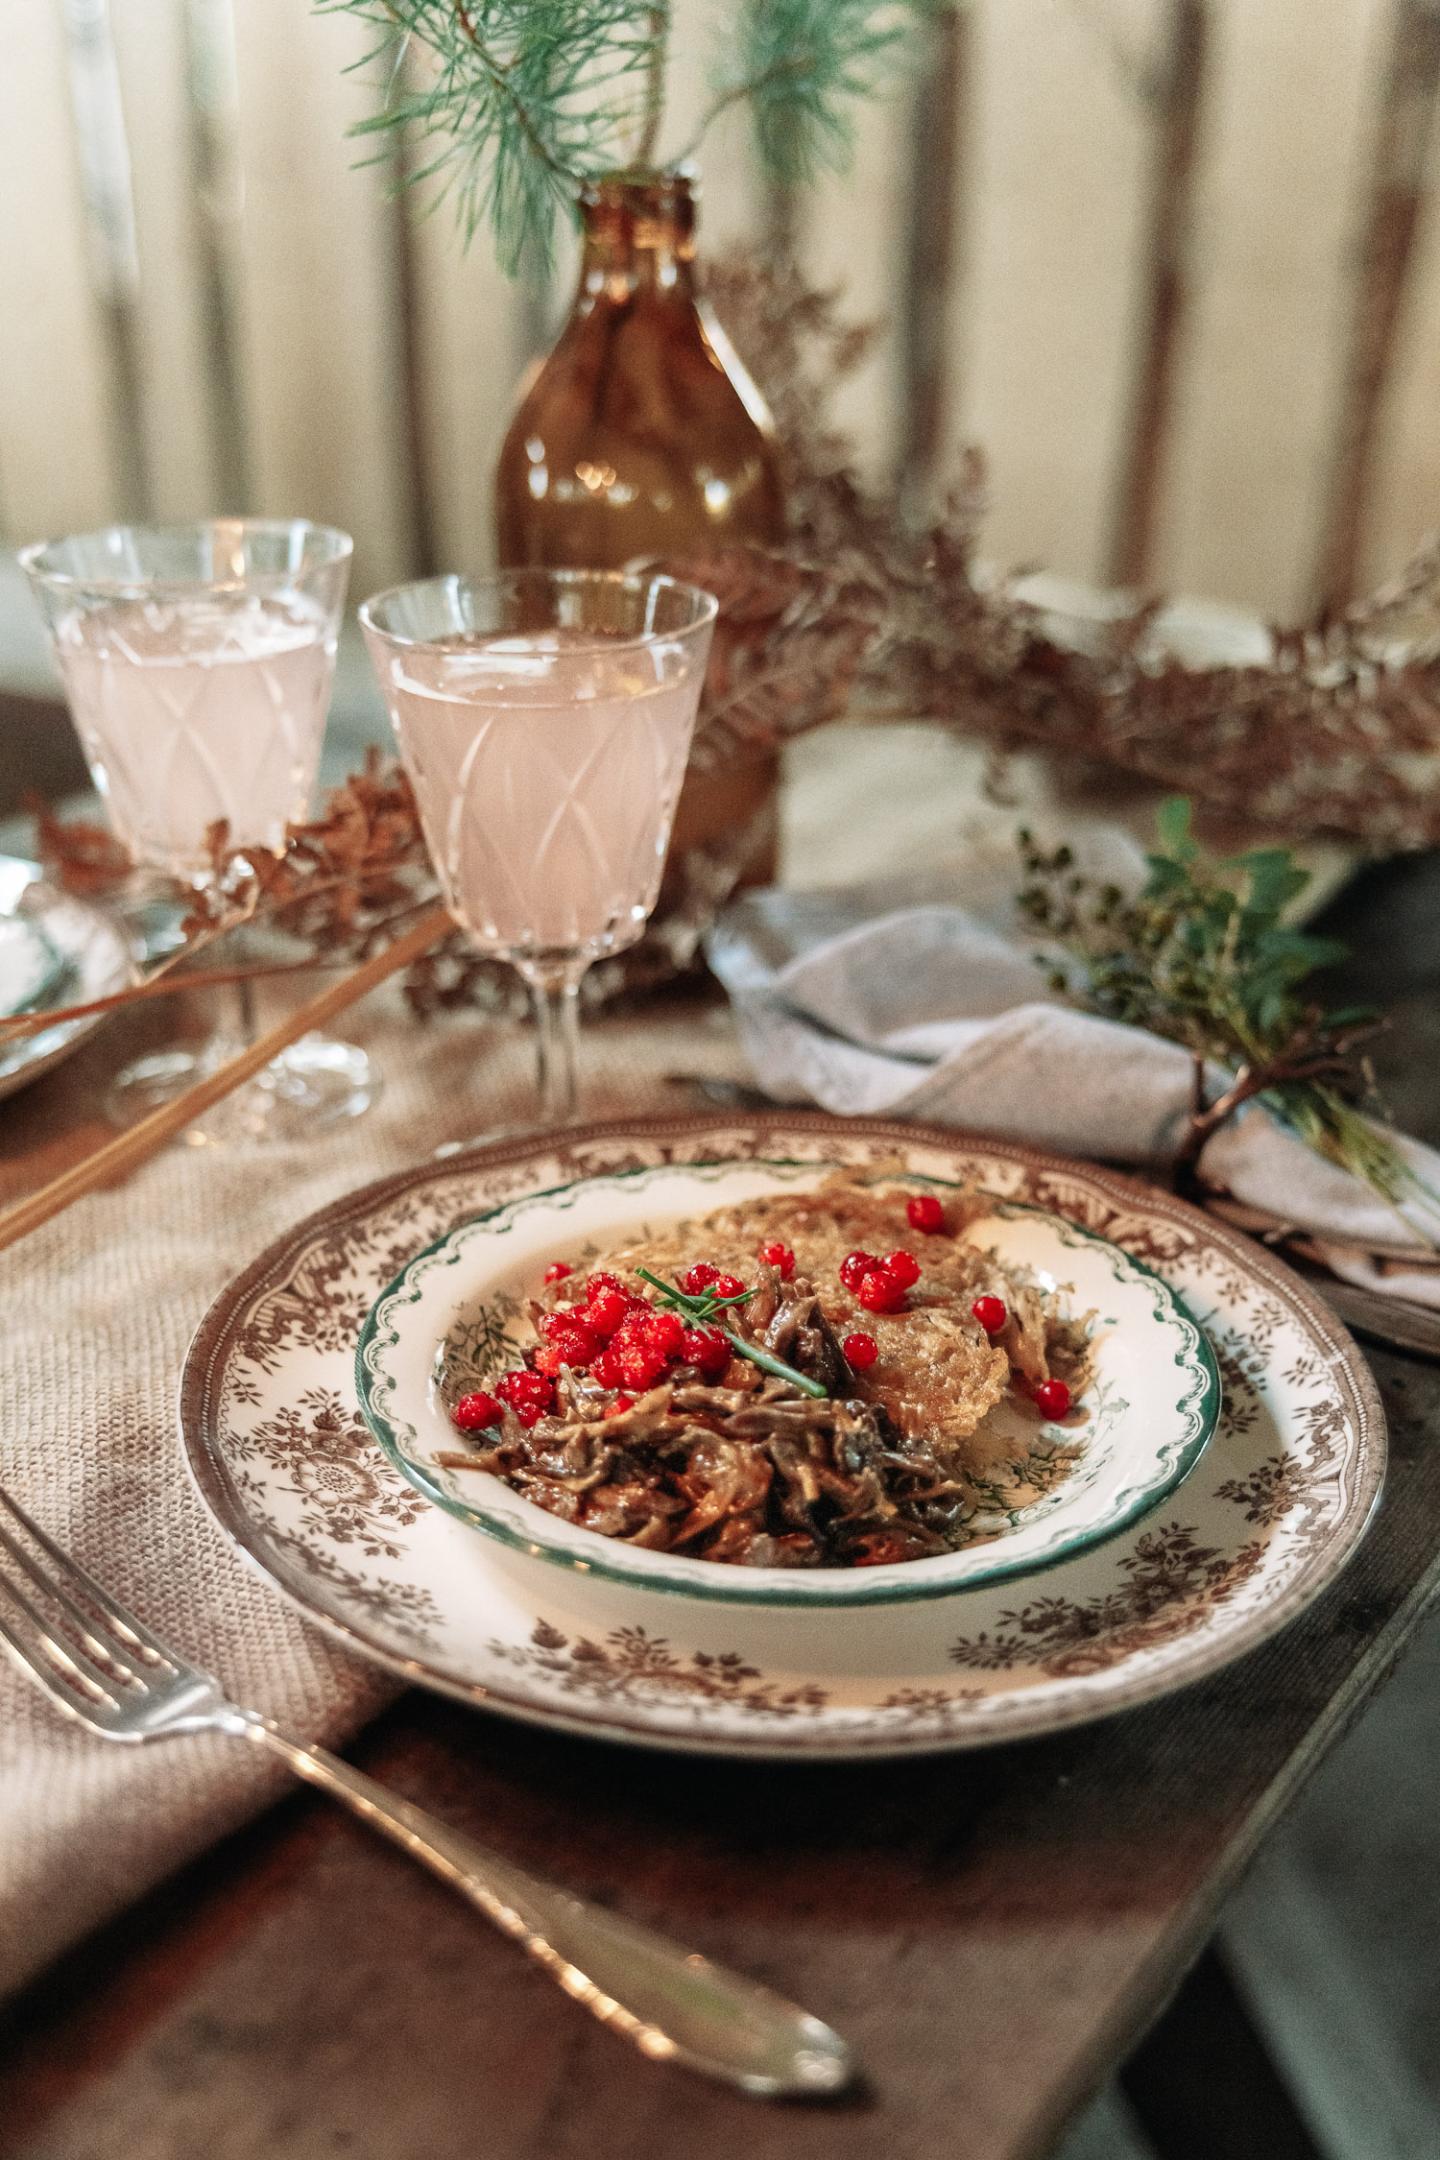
701	1311
1206	955
513	104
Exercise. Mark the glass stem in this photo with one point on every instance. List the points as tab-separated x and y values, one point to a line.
555	997
247	1025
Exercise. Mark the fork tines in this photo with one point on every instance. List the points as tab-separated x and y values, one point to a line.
67	1631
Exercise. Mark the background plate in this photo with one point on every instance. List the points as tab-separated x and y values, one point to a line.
95	957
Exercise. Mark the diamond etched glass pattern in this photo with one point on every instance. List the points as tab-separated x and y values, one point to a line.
198	659
547	775
544	717
193	711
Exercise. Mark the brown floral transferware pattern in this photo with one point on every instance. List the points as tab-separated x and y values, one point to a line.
1268	1517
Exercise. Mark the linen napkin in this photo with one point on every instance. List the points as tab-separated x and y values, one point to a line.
887	998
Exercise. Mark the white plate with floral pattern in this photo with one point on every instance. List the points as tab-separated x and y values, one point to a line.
456	1311
1266	1519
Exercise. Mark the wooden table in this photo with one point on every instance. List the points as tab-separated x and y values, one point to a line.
994	1932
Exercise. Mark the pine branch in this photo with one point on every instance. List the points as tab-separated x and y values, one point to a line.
525	100
521	101
655	65
800	64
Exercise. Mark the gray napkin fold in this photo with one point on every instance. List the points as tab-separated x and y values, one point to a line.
883	1000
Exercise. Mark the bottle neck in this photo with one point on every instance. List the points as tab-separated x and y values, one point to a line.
639	236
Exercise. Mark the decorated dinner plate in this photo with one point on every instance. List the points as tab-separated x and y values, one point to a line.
1268	1515
67	953
456	1311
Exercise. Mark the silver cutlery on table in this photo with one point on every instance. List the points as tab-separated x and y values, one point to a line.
102	1665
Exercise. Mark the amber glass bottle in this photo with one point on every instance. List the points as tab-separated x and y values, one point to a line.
643	435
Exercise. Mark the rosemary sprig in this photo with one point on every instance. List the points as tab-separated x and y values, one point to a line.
700	1312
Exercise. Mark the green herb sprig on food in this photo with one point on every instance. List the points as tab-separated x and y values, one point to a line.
700	1311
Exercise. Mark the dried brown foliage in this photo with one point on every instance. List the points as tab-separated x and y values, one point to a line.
866	612
1338	734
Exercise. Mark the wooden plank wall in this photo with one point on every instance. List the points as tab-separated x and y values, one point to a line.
1172	263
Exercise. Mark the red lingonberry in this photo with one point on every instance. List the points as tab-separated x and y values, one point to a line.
902	1267
991	1313
707	1348
605	1310
698	1278
621	1404
860	1351
606	1369
923	1212
779	1257
640	1366
880	1293
548	1360
576	1346
562	1321
558	1270
473	1412
1052	1399
664	1331
855	1267
727	1286
525	1390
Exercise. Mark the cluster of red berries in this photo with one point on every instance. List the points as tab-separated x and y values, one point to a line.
880	1285
627	1344
616	1336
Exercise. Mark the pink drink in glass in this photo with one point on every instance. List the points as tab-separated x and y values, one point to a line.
190	710
547	772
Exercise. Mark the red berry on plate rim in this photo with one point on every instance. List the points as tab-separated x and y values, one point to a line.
860	1351
991	1313
879	1292
779	1257
1052	1399
902	1267
473	1412
923	1212
558	1270
855	1267
699	1278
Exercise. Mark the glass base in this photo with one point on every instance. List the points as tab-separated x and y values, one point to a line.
313	1085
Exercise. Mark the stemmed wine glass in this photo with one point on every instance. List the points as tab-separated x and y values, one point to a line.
198	660
544	718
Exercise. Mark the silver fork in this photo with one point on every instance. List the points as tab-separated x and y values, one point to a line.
103	1666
